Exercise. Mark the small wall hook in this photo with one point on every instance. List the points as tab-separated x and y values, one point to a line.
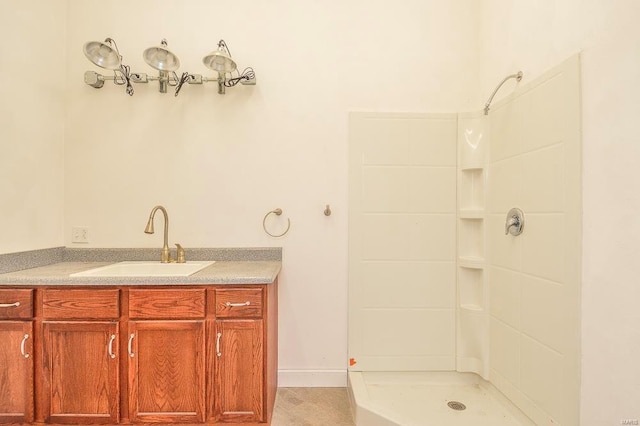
277	212
327	210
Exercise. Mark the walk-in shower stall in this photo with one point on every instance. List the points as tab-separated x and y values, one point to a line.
455	317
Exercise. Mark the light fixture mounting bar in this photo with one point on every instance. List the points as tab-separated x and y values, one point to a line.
106	55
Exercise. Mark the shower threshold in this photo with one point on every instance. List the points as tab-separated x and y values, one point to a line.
422	399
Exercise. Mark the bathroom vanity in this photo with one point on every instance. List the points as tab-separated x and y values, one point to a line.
105	351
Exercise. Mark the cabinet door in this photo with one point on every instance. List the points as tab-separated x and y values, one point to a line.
16	372
239	371
166	371
81	382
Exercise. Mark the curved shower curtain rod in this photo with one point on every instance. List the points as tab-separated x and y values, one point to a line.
517	76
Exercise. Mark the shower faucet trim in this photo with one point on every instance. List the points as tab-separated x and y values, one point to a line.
514	224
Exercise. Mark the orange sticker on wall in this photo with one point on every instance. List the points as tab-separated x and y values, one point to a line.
352	362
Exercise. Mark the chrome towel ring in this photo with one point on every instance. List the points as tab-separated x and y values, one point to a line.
277	212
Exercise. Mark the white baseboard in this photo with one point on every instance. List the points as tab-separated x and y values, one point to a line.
312	378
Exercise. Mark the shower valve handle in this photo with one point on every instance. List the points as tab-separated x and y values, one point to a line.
514	223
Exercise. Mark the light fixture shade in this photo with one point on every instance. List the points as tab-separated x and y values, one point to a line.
161	58
102	55
219	60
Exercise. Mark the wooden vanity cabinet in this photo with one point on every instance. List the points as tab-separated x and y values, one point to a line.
138	355
166	352
239	355
80	381
243	348
16	356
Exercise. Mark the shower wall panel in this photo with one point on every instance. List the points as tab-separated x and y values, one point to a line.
535	164
402	241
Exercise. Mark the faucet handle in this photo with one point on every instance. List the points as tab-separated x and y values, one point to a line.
514	222
180	256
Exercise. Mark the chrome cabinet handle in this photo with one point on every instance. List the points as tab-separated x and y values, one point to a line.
218	336
23	350
236	305
111	340
131	354
10	305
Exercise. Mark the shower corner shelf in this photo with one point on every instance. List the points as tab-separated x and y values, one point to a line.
471	307
472	262
471	214
471	189
472	168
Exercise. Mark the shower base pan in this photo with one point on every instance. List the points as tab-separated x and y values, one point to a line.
429	399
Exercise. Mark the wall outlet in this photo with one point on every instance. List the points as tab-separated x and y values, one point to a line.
80	234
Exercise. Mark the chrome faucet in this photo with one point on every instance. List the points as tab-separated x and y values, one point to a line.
515	222
166	253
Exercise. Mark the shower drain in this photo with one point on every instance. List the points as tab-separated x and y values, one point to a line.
455	405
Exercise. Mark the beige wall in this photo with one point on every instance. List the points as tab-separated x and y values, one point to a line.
32	121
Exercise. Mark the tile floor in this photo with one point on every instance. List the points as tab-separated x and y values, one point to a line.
312	407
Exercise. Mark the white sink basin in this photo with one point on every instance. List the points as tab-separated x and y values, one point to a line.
145	269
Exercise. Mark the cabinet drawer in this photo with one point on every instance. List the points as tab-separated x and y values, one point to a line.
166	303
80	304
239	302
16	304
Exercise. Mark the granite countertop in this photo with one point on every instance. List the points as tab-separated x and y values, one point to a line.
241	266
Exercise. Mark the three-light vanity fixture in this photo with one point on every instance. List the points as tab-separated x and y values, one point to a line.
106	55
